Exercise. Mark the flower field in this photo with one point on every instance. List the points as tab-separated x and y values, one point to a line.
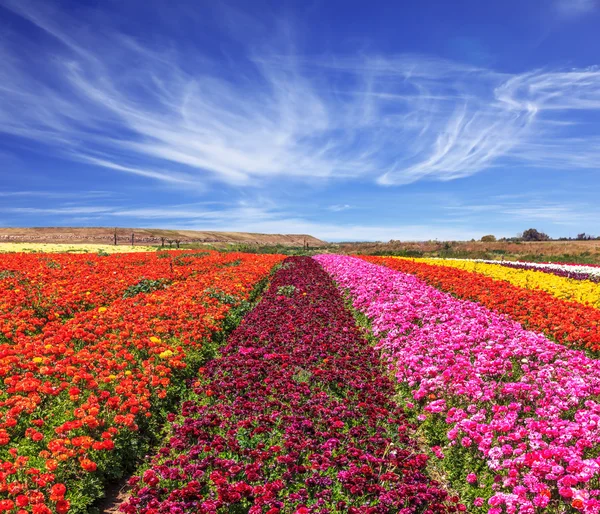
97	348
373	385
567	322
515	413
581	291
297	415
575	271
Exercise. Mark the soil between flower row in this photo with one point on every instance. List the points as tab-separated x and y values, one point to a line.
297	415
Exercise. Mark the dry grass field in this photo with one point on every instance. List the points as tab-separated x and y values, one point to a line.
556	251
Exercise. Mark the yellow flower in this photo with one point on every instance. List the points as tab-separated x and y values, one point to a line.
102	309
112	377
37	360
155	339
128	373
166	354
71	248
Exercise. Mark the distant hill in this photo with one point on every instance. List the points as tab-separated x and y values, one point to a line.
149	236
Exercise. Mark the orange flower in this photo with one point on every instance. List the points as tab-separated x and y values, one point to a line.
88	465
98	368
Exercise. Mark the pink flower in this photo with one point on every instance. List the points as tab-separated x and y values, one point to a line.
438	346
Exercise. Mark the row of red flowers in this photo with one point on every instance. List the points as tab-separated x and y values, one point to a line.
38	288
566	322
296	416
81	399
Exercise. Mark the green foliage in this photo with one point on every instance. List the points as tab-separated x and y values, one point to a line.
488	239
144	286
222	297
187	258
7	274
286	290
302	376
231	264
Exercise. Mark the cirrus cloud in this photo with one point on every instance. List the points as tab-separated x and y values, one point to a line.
108	100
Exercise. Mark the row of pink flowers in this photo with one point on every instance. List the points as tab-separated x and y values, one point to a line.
506	397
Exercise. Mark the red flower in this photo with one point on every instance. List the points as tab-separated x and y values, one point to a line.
88	465
57	492
62	506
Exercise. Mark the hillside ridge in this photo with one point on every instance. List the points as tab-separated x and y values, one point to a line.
145	236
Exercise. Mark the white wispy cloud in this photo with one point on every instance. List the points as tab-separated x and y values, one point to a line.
574	8
339	207
79	209
57	194
527	209
105	99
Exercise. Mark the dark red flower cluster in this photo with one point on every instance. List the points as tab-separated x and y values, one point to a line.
566	322
296	416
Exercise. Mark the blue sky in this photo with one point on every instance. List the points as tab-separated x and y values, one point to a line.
346	120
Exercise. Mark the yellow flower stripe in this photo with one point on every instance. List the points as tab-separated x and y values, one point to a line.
70	248
582	291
